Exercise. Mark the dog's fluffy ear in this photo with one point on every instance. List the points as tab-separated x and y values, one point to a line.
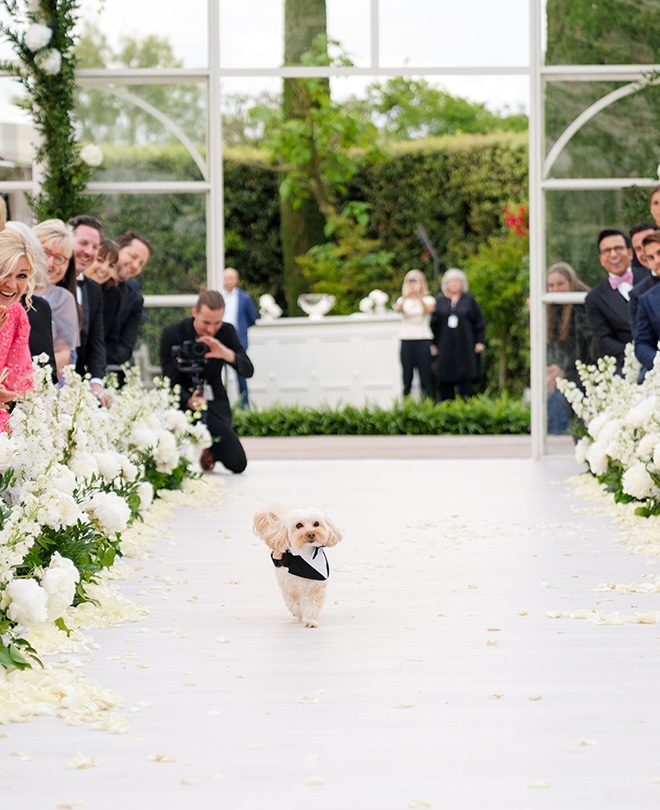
268	526
334	534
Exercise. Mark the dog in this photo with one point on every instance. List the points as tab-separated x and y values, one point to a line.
296	540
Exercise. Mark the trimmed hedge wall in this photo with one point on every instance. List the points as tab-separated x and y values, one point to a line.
478	415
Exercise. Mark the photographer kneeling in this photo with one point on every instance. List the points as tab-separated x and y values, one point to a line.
193	353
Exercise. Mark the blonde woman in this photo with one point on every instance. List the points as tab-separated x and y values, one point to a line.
416	306
56	240
16	280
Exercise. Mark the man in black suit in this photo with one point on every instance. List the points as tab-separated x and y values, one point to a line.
87	232
647	328
637	235
135	251
223	348
607	304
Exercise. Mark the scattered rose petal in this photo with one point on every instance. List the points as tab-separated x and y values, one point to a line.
315	781
81	761
539	783
161	758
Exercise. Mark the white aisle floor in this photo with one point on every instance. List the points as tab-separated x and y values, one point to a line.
436	678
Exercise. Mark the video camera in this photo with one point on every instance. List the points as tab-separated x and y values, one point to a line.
189	357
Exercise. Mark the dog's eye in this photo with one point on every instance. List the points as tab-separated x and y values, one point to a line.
316	524
299	525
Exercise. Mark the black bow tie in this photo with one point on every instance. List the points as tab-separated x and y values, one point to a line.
81	282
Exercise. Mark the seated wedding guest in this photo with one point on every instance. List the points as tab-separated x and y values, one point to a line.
637	235
134	251
87	233
568	340
206	387
607	303
56	240
103	270
415	306
16	281
459	332
647	327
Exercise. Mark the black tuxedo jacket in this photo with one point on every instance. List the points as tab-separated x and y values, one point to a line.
635	294
609	318
175	334
91	352
122	336
41	331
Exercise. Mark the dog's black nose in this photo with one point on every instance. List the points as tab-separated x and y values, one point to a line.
311	536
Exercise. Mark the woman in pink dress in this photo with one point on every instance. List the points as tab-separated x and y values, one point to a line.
16	280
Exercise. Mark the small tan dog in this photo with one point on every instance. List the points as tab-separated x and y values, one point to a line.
296	540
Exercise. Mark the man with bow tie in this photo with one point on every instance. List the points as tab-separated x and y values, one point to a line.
607	304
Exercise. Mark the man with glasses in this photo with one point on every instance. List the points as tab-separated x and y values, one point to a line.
607	304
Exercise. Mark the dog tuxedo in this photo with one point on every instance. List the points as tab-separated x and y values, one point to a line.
310	563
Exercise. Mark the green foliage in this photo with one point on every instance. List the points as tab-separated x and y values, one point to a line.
406	108
478	415
48	76
18	654
499	279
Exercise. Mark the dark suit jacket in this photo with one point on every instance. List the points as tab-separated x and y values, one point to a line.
648	327
91	352
246	316
609	319
122	337
175	334
637	291
41	331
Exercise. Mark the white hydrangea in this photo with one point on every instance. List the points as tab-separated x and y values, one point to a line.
29	602
129	470
166	454
640	415
38	36
111	512
637	482
59	582
647	445
143	438
581	449
58	510
597	458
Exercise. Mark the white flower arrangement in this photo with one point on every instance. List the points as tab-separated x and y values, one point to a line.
621	422
269	309
374	303
74	474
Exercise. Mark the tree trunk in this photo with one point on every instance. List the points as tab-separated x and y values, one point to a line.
300	228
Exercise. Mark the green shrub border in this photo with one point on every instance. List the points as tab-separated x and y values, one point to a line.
478	416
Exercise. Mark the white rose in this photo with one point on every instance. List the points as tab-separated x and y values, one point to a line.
581	449
143	438
166	454
175	421
109	465
49	61
110	511
59	510
91	155
38	36
28	604
63	480
59	581
128	470
146	494
637	482
83	464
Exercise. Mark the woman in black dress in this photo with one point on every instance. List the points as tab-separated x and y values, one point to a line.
458	338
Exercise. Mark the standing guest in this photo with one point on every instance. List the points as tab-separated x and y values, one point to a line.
56	240
637	235
104	271
647	328
654	204
607	303
459	334
241	313
134	251
224	348
415	306
568	340
87	234
16	281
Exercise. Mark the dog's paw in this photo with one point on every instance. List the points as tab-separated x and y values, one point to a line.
310	622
